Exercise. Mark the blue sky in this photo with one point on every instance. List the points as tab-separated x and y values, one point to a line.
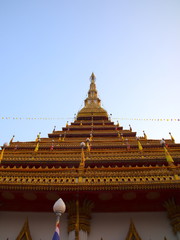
48	50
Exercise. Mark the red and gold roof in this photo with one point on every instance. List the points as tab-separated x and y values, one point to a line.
95	158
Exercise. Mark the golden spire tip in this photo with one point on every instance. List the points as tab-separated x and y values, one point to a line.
92	77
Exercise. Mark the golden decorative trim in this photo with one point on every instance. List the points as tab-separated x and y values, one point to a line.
84	215
91	180
25	233
100	178
132	233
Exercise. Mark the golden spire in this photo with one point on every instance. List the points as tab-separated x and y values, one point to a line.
92	104
92	93
92	77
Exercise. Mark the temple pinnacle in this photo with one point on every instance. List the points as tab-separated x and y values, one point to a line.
92	77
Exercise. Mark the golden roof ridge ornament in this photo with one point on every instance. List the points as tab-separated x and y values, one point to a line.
25	232
132	233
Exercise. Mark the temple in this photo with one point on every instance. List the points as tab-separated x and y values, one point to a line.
116	186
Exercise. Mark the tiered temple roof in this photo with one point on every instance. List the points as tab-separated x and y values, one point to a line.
94	158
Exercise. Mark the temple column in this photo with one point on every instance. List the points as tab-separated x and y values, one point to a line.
79	216
174	216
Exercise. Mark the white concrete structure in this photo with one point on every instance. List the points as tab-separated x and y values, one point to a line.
108	226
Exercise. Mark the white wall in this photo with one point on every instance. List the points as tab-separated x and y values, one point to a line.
41	225
115	226
109	226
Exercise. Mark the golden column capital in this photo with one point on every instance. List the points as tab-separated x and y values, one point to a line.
84	215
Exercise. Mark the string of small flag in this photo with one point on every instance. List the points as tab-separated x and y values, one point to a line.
65	118
32	118
150	119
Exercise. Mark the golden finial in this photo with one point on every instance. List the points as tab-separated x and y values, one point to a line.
172	137
12	139
130	128
92	77
145	136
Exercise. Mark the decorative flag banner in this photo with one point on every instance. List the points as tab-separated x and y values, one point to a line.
150	119
37	147
56	235
168	156
140	146
33	118
65	118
